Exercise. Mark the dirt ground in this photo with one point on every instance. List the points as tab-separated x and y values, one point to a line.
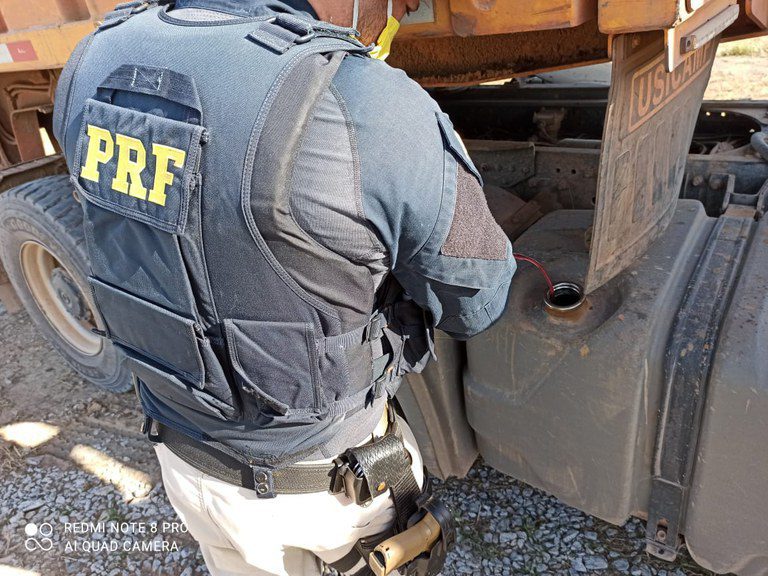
740	71
729	74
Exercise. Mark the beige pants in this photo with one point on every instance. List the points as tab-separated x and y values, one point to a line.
240	534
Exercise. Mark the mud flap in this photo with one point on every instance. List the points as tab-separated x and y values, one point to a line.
648	129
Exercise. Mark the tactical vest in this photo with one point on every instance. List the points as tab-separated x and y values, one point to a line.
180	137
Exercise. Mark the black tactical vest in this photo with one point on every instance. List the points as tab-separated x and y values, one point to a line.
180	138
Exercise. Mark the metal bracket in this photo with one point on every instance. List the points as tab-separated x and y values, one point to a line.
702	27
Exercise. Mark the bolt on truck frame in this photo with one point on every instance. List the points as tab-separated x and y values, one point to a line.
641	387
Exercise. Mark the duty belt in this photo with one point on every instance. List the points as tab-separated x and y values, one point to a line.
362	473
296	479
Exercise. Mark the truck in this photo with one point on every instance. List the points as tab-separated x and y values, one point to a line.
638	385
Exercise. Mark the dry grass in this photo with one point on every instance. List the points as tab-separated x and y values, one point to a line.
739	72
11	458
751	47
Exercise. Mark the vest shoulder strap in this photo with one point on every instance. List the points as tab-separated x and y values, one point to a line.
283	31
279	32
124	11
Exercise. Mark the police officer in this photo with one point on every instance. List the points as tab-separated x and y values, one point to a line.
276	222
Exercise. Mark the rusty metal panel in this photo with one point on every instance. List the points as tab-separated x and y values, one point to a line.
472	17
625	16
648	129
442	18
23	14
99	8
465	61
482	17
757	10
620	16
41	48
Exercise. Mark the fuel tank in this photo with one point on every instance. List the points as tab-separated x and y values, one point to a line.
581	403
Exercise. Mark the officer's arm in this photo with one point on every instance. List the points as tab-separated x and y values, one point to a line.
423	196
460	270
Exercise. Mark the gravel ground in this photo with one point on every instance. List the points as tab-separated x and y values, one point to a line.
96	469
506	527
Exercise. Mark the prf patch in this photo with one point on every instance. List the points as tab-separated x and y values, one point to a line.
137	164
131	163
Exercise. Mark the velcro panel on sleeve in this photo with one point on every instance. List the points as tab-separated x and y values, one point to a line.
474	233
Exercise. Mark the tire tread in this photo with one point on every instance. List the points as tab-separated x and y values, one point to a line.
52	201
49	196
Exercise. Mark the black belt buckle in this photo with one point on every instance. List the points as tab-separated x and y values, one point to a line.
263	483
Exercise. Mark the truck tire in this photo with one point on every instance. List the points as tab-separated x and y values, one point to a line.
42	247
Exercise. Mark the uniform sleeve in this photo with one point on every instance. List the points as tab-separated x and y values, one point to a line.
463	268
424	198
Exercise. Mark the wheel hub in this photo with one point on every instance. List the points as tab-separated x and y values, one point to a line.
69	295
59	298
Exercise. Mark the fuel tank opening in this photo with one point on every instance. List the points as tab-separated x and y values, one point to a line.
565	297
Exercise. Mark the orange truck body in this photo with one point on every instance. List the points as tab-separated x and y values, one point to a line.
447	42
40	35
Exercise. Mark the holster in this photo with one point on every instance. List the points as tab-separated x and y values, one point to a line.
424	529
420	549
431	562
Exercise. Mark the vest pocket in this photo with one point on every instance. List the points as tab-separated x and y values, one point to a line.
345	367
174	356
174	391
138	164
159	334
276	364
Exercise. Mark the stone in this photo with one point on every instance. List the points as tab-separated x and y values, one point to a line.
578	565
621	565
595	563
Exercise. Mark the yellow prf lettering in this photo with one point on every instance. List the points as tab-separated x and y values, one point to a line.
126	166
131	163
96	153
163	177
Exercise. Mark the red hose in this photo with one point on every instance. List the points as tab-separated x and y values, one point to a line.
521	258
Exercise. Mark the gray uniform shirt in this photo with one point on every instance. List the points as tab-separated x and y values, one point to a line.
382	179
